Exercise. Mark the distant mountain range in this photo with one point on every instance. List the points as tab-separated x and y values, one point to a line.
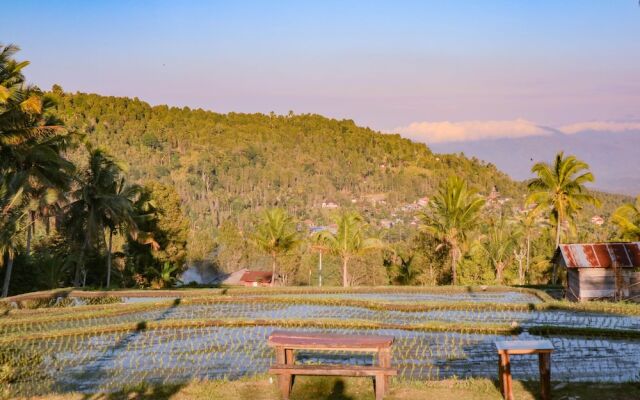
614	157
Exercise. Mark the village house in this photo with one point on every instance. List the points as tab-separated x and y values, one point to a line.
256	278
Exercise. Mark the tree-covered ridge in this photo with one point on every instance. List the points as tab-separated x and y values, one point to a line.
94	189
228	166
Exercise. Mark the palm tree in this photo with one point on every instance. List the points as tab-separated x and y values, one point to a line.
10	223
165	276
407	273
451	215
528	221
31	143
560	188
627	218
101	201
31	139
276	235
501	240
120	215
348	241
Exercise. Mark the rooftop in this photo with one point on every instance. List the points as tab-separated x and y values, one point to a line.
598	255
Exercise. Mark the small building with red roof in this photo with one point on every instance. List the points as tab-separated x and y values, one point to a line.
256	278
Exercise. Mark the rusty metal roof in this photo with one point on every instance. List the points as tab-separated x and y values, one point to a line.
599	255
256	276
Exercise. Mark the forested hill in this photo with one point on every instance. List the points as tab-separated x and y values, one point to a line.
228	166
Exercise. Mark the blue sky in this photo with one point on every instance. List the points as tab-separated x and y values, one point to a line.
384	64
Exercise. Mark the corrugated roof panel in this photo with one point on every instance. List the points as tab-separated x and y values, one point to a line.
601	255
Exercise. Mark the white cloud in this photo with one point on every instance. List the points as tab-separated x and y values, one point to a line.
445	131
602	126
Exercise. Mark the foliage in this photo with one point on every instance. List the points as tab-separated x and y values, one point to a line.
163	230
499	246
452	213
627	219
163	277
100	201
559	188
348	241
32	169
276	235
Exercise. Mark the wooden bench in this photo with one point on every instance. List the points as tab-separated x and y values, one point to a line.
285	343
543	348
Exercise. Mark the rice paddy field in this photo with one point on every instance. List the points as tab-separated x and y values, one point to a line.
77	345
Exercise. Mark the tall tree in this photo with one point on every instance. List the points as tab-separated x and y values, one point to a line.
162	229
276	235
120	216
9	241
349	241
528	221
500	242
560	189
627	218
31	143
100	201
452	213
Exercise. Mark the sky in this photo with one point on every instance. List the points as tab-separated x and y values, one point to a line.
432	70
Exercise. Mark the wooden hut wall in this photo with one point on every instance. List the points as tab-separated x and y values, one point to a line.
600	283
573	284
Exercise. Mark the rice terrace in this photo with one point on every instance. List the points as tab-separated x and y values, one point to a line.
440	332
319	200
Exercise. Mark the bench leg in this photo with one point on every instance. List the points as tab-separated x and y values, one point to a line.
500	380
505	377
544	360
290	359
384	355
380	385
284	380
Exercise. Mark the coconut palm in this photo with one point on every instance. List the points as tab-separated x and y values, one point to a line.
9	238
31	138
120	215
528	221
627	218
560	189
452	213
31	143
276	235
348	241
501	241
100	201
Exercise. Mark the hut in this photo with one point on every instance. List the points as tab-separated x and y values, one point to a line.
600	270
256	278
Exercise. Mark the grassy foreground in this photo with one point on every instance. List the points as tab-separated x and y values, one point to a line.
310	388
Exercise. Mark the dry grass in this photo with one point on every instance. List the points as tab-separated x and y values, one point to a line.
310	388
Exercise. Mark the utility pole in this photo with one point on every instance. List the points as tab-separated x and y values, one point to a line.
320	270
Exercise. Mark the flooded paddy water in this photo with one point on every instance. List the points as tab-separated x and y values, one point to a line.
108	361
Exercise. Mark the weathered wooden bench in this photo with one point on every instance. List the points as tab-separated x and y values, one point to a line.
285	343
542	348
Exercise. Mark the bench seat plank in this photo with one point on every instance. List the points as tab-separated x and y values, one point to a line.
332	370
524	346
316	341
